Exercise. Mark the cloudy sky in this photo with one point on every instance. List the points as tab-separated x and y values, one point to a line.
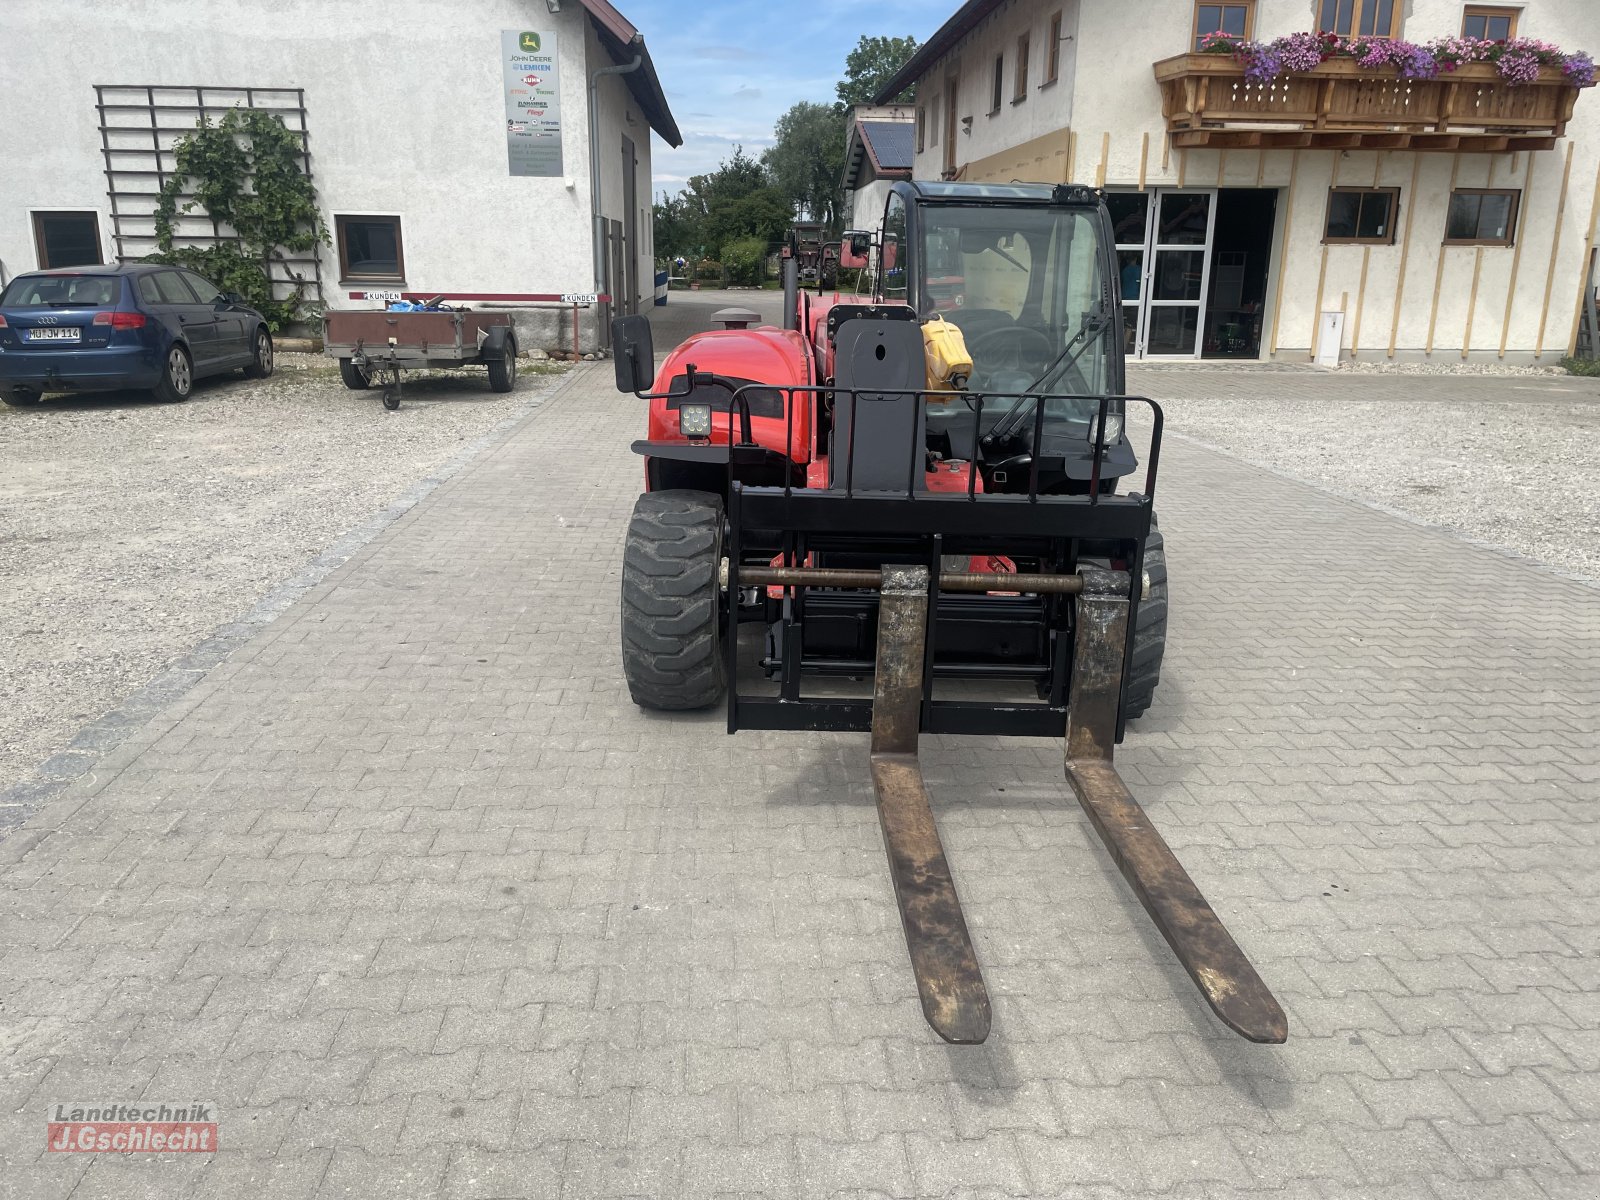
731	68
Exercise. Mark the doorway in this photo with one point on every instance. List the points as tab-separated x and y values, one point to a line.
1193	269
1241	251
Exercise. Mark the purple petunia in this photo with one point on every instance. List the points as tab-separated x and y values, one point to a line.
1518	61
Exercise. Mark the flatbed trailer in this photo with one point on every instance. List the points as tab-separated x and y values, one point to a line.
378	346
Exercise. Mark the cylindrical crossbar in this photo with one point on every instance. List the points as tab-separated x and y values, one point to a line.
952	581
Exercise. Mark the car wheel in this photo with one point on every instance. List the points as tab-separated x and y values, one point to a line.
178	379
503	370
20	397
261	361
356	378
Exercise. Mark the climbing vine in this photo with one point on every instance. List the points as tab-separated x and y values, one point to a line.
244	172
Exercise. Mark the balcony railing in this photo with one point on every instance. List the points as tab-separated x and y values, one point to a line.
1208	102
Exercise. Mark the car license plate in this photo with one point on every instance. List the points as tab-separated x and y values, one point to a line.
59	333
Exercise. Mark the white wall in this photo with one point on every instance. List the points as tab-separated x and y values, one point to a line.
406	111
1046	109
868	201
1118	136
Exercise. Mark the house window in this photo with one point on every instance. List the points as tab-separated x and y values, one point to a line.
922	129
1019	91
1365	18
933	125
67	239
1489	24
370	249
1482	217
1235	20
999	83
1361	215
1052	55
952	91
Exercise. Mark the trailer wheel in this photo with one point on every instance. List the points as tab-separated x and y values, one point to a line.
357	379
672	654
503	370
1150	635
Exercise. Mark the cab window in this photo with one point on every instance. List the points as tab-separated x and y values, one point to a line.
892	260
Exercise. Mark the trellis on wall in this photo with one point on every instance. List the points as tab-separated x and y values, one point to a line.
139	127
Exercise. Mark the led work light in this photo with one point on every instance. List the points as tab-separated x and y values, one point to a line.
694	420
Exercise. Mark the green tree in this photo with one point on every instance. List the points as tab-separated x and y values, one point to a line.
764	213
675	231
705	203
806	162
872	64
744	259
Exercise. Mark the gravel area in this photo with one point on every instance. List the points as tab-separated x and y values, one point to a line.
1448	368
130	530
1507	461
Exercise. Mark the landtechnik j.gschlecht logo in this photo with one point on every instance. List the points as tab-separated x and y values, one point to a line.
143	1127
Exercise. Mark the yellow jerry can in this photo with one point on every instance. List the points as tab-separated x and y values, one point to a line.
949	364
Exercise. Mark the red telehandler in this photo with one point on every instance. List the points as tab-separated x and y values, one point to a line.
920	487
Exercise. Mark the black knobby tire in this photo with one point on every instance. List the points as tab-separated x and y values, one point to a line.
260	356
672	649
1150	633
357	379
177	377
503	368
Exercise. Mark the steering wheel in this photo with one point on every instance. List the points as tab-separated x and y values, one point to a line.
1011	348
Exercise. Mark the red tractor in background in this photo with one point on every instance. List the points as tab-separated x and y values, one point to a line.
920	488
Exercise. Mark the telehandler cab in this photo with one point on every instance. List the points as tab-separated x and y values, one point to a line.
920	487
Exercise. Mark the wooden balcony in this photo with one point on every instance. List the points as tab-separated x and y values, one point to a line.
1339	105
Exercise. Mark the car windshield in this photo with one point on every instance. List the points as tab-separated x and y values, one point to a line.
62	291
1026	286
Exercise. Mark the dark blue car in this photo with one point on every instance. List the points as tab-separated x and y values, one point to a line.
102	329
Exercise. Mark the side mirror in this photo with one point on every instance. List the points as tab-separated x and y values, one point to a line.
633	354
854	249
234	298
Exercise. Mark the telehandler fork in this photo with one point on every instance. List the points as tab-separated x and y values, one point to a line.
954	998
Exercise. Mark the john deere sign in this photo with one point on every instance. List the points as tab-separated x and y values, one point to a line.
533	102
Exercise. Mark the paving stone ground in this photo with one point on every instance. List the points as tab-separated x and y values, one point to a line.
412	891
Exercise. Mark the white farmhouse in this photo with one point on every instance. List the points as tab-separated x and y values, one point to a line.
497	151
878	150
1338	210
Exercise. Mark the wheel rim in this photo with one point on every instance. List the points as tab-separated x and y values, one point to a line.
178	371
264	351
511	364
